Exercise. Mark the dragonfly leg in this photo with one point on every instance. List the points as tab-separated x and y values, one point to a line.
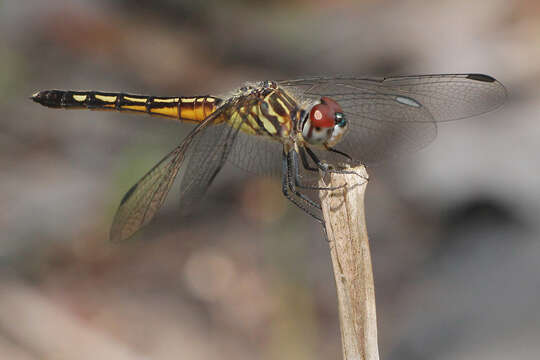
297	181
292	177
305	162
327	168
286	188
306	165
339	152
321	165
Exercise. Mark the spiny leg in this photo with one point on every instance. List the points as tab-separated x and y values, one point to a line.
321	165
292	167
285	182
326	168
305	162
306	165
297	181
338	152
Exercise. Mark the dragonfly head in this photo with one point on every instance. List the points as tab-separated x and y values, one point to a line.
325	124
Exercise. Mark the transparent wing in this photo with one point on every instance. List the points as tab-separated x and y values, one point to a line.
257	154
379	136
446	97
208	154
145	198
395	115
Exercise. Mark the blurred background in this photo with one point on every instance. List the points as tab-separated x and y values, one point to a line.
454	228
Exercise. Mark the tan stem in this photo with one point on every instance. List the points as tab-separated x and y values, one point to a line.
344	215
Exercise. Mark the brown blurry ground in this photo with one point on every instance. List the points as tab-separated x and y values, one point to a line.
454	228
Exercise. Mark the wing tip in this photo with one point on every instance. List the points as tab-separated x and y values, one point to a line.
500	94
481	77
117	235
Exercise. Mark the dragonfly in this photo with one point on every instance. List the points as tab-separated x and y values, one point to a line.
292	128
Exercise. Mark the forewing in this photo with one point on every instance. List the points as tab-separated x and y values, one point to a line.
396	115
379	132
145	198
447	97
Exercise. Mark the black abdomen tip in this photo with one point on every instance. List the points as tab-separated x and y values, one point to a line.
49	98
481	77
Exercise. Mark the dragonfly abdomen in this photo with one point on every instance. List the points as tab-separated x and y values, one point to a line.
191	109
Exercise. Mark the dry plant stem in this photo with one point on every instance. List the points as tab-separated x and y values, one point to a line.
343	212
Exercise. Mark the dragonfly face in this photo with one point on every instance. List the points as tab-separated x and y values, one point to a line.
341	120
325	124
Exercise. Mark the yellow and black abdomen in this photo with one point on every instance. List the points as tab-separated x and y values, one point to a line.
191	109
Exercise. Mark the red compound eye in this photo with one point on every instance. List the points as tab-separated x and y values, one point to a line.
331	104
323	115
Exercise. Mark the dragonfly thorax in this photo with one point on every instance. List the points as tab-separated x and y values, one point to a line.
324	124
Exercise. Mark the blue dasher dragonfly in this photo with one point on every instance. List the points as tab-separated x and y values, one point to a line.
289	127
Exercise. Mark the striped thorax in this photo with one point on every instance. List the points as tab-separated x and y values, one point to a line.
265	110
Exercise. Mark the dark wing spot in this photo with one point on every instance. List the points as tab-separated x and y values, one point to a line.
128	194
481	77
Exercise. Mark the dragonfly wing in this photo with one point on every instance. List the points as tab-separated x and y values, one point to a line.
208	154
145	198
257	154
372	138
396	115
447	96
